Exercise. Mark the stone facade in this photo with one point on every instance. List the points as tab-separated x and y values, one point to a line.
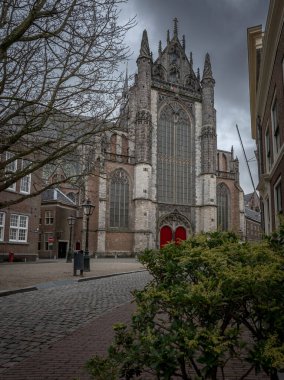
160	169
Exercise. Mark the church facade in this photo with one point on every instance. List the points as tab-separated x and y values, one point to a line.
161	177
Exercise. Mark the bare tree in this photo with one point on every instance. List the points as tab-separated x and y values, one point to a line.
59	82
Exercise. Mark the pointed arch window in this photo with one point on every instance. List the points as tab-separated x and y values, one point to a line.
119	199
175	156
223	207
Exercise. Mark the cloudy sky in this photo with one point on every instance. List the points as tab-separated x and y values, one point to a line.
220	28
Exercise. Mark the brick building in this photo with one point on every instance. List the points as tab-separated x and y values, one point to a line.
266	78
160	176
253	231
19	222
54	231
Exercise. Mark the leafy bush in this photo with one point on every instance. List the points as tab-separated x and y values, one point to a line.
212	299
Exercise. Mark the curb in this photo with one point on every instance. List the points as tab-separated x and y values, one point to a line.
109	275
5	293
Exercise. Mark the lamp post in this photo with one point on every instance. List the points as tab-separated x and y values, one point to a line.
71	221
88	210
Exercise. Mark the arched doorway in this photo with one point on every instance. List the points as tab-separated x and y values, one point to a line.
166	236
180	234
173	227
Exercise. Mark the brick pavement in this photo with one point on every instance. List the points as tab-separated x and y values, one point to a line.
51	333
65	359
31	321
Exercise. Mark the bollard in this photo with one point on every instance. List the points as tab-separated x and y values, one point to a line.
11	257
78	262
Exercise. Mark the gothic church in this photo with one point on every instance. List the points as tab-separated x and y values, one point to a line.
161	175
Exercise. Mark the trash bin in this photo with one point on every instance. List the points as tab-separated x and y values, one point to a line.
78	262
11	257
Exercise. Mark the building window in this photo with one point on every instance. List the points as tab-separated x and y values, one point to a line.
25	183
175	156
275	128
18	228
48	217
2	225
267	150
267	215
119	199
278	201
11	168
223	207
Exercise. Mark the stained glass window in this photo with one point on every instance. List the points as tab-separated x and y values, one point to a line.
119	199
174	155
223	207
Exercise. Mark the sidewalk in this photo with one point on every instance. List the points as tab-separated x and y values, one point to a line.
14	276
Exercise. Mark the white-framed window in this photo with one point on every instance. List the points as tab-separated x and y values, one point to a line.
275	127
278	200
2	225
25	183
48	217
18	228
10	169
268	150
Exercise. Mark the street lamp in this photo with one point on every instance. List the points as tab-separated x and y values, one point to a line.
71	221
88	209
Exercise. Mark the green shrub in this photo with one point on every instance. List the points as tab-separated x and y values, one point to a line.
190	320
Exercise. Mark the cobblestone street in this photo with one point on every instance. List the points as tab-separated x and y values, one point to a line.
35	320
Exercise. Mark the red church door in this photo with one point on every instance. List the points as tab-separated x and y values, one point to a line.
166	236
180	234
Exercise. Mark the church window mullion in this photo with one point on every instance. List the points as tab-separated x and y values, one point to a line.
119	199
174	150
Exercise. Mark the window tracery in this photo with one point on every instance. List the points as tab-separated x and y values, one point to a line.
174	155
223	207
119	199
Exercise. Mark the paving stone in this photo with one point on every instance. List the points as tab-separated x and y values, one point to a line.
39	319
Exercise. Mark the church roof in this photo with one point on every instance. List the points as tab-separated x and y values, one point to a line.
56	195
253	215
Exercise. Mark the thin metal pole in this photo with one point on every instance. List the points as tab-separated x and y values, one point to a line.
246	159
87	237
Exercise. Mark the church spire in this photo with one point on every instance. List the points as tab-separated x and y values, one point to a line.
145	50
168	36
191	59
207	71
198	74
175	27
160	47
